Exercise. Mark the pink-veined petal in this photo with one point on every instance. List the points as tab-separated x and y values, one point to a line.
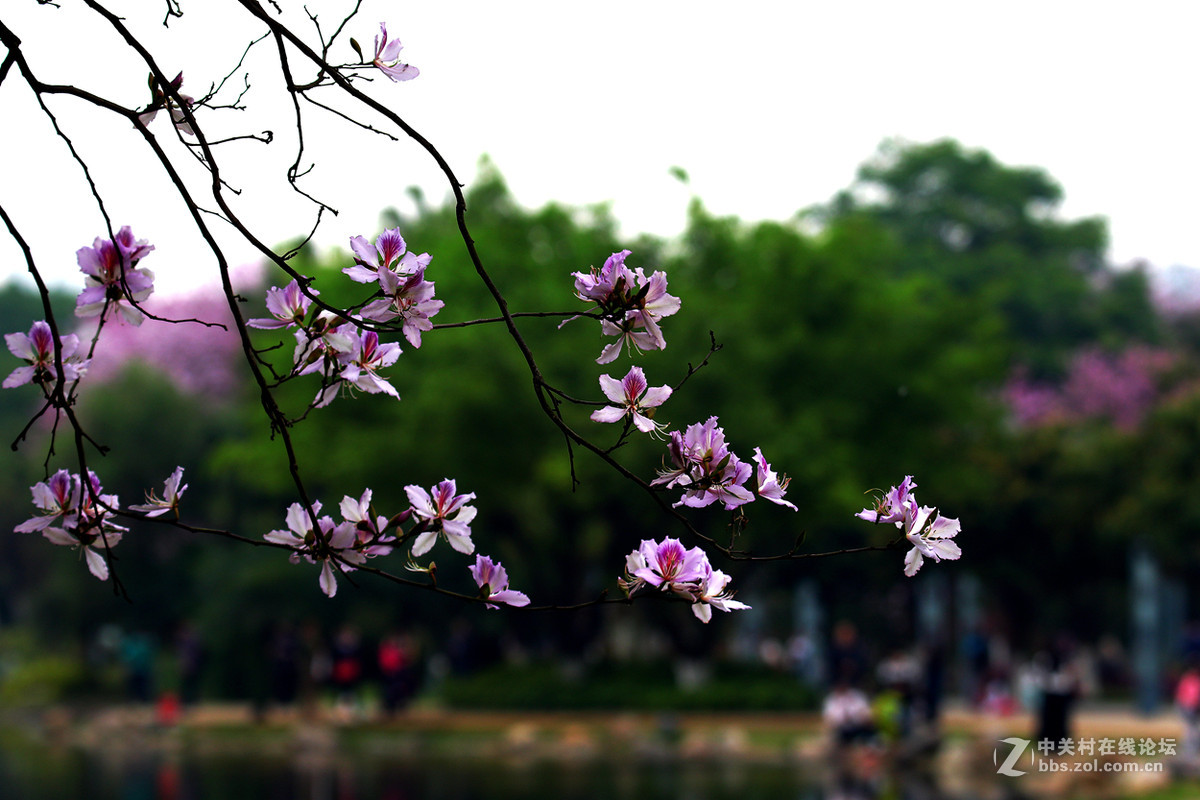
510	597
913	562
424	543
60	537
608	414
327	580
96	563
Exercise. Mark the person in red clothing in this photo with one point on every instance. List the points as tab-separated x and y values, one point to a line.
1187	698
398	670
347	670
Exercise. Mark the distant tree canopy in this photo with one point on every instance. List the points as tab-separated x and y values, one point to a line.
872	349
990	233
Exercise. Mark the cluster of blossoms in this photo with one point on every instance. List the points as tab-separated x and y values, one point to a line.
37	348
339	349
667	566
708	471
76	516
924	527
114	281
80	515
362	534
630	304
406	295
335	546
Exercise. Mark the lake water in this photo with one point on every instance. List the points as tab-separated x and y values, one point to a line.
44	774
83	777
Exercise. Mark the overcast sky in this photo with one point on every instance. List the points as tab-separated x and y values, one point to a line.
769	106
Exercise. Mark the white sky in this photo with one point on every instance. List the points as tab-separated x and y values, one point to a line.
770	107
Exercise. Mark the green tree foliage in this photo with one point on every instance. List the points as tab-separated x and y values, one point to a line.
989	233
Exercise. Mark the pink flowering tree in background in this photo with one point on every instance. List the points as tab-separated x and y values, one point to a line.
351	352
1119	388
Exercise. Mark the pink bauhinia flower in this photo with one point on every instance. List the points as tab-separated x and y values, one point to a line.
37	347
668	565
686	573
369	526
892	506
387	57
929	533
770	486
491	576
80	517
113	282
56	496
407	296
609	286
442	511
289	306
321	346
706	468
390	252
156	506
634	399
711	592
363	361
331	545
630	303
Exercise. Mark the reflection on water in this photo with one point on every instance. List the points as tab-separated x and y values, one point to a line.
39	774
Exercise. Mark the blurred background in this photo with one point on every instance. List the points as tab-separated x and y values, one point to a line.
937	318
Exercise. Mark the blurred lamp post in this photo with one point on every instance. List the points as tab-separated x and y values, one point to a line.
1147	666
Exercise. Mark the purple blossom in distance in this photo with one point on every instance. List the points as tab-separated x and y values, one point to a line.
1120	387
212	367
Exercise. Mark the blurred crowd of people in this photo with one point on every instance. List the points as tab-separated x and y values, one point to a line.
898	701
303	663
